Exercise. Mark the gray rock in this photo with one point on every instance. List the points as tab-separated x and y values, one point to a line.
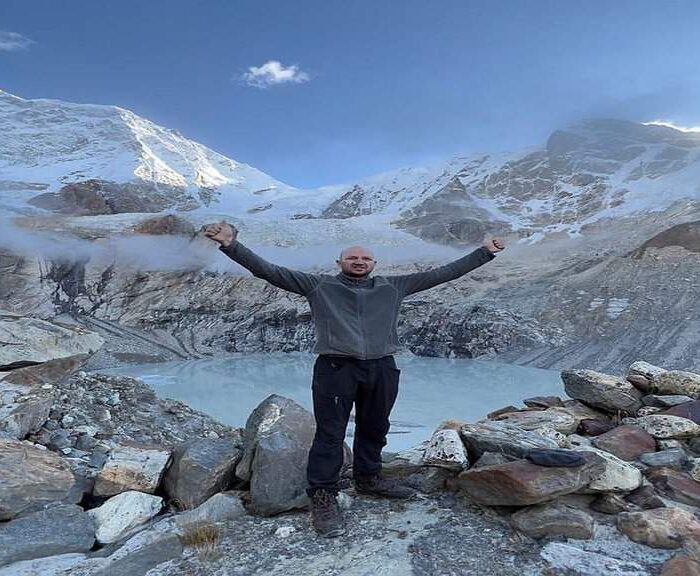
501	437
673	458
278	437
665	401
141	553
609	503
131	468
642	374
491	459
678	382
219	508
602	391
446	450
556	418
553	520
665	426
200	469
124	513
32	477
57	530
22	418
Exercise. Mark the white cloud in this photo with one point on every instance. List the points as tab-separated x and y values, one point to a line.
273	73
13	41
671	124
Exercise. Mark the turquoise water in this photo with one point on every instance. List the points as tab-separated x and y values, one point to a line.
431	389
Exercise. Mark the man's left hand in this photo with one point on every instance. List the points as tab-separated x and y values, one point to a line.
494	245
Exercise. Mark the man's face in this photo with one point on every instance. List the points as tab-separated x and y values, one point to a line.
356	261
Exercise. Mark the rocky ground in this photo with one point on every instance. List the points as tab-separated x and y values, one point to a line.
606	481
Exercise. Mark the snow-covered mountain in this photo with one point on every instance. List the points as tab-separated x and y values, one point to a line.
89	159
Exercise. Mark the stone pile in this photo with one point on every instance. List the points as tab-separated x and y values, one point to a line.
638	438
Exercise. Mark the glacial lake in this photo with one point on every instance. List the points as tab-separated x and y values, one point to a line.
431	389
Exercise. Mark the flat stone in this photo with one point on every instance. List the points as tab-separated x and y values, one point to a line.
543	402
522	483
659	528
665	401
131	468
505	410
57	530
626	442
676	485
689	410
219	508
667	426
553	520
141	553
582	411
51	372
602	391
595	426
677	382
59	565
22	418
32	477
123	513
200	469
618	475
446	450
557	419
674	458
501	437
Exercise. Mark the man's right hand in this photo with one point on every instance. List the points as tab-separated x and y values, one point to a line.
221	232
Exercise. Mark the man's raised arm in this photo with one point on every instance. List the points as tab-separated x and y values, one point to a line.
411	283
285	278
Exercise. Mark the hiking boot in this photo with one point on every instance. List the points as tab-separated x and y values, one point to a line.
325	514
377	485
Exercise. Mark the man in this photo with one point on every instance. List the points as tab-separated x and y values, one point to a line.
355	318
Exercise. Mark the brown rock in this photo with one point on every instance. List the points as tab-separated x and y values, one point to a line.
681	565
659	528
169	225
610	504
553	520
595	426
505	410
675	484
689	410
522	483
50	372
646	498
626	442
543	402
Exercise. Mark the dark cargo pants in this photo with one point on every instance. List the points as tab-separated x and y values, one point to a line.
338	382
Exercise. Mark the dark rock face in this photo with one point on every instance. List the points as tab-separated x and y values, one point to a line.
57	530
200	469
94	197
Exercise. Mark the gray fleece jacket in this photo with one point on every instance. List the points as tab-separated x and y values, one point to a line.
354	317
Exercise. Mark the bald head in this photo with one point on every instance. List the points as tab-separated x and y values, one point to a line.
356	261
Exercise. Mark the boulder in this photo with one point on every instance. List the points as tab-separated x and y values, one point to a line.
57	530
646	498
581	411
609	503
642	374
446	450
25	415
556	418
659	528
677	382
501	437
491	459
51	372
141	553
522	483
676	485
553	520
665	426
122	514
32	340
131	468
219	508
278	436
200	469
618	475
595	426
31	477
626	442
602	391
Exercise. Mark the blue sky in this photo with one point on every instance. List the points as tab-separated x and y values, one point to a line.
362	86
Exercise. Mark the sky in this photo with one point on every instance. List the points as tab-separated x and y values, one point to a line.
318	92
